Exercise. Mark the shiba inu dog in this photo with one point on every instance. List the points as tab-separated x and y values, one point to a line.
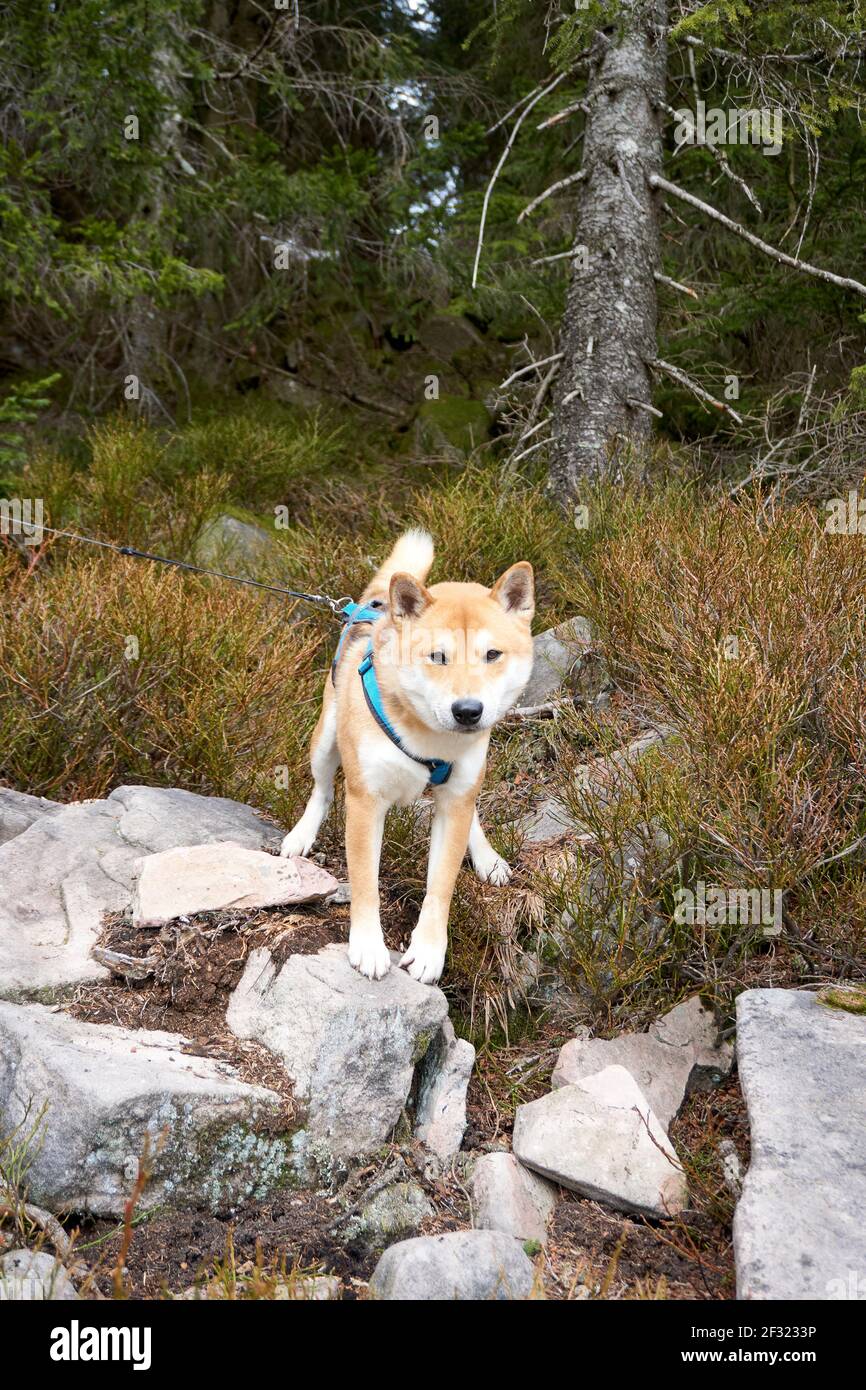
420	678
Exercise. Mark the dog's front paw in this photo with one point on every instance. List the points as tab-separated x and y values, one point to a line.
297	844
425	958
492	868
369	954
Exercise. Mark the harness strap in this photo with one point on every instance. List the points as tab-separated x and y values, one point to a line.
439	771
355	613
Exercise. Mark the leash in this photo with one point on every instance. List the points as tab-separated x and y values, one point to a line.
350	613
337	605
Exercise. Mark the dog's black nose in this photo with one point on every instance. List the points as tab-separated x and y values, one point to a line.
467	712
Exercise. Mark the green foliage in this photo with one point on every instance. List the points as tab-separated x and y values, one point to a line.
21	406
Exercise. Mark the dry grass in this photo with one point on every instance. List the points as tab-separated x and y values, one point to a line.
746	636
740	627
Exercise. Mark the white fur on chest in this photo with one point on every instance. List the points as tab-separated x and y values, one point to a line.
392	775
388	773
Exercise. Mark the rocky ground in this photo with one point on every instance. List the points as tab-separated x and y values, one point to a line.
200	1098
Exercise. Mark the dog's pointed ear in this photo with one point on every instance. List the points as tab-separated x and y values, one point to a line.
515	591
407	597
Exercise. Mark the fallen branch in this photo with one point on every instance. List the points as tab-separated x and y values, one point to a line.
498	170
696	390
656	181
550	710
130	967
548	192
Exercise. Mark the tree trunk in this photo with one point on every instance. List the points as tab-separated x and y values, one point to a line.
609	328
146	326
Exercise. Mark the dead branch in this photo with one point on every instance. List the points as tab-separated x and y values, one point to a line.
130	967
644	405
530	367
673	284
560	256
531	450
656	181
48	1223
717	154
563	114
500	164
548	192
696	390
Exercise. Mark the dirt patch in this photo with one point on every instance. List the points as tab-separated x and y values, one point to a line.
593	1251
298	1229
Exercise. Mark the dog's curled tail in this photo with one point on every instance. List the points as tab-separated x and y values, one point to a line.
413	554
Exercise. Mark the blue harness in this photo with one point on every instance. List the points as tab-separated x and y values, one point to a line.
437	769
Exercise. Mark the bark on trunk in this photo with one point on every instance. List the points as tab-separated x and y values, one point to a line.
609	327
146	326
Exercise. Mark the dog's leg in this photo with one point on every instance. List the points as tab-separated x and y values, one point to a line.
488	865
324	761
365	822
449	836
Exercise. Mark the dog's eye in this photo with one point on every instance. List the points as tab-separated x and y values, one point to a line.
439	658
493	655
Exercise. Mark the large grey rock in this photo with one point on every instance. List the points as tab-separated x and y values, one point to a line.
508	1197
350	1044
239	545
204	878
33	1276
681	1052
601	1138
156	818
799	1228
476	1265
440	1115
563	658
97	1097
78	862
18	811
660	1076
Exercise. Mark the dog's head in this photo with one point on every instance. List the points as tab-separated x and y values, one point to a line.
458	655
